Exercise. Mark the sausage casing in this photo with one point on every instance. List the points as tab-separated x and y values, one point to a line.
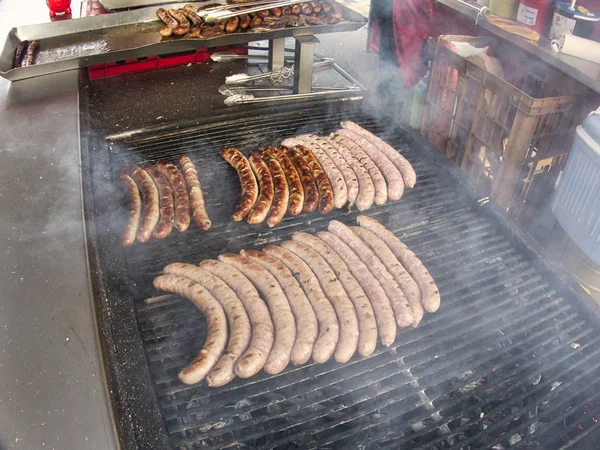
309	185
232	24
296	191
180	193
196	195
266	190
247	180
31	50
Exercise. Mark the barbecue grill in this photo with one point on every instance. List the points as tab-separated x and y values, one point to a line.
511	359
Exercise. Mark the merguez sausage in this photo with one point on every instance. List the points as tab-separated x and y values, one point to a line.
307	328
216	339
279	307
379	185
402	310
396	269
367	326
366	190
393	177
309	185
430	295
239	323
165	202
328	325
256	355
247	180
150	215
281	195
134	204
296	191
180	193
199	213
336	179
326	200
379	300
334	291
405	168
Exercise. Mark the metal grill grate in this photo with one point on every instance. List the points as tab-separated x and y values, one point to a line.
511	359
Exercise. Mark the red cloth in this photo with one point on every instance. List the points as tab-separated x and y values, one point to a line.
412	20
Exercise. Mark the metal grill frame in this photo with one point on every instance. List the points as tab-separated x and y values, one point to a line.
136	410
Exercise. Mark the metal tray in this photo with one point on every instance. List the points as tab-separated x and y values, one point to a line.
87	41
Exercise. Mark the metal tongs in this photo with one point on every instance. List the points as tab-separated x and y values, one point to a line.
245	98
276	76
222	13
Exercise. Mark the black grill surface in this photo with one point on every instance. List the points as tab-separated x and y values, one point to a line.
510	360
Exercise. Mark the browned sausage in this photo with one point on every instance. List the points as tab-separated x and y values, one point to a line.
19	54
430	295
239	323
232	24
402	309
316	6
184	24
31	49
296	9
282	194
279	307
247	180
261	343
286	10
150	201
309	185
168	21
244	21
255	21
216	339
264	13
180	193
191	15
134	204
276	12
306	9
190	174
165	202
307	328
296	191
326	200
265	183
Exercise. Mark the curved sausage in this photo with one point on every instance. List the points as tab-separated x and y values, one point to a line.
266	191
307	328
255	357
430	295
168	21
334	291
134	204
406	169
19	54
296	191
180	193
239	323
232	24
396	269
329	330
340	163
150	214
281	195
367	326
244	22
214	345
306	9
31	49
165	202
296	9
377	178
393	177
326	200
276	12
366	189
264	13
190	14
196	195
309	185
336	179
279	307
184	24
247	180
402	310
255	21
384	314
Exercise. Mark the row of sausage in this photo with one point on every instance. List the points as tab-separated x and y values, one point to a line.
330	294
352	166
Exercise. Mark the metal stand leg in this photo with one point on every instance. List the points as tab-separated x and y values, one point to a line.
276	54
303	64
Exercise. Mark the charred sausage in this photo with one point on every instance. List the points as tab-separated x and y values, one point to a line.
296	9
150	201
309	185
180	193
296	191
279	307
169	21
31	50
19	54
406	169
256	355
134	204
266	190
191	16
197	204
430	295
329	329
239	323
326	200
247	180
216	339
165	202
264	13
281	195
307	328
276	12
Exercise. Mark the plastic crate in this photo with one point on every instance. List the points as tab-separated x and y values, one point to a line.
502	132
